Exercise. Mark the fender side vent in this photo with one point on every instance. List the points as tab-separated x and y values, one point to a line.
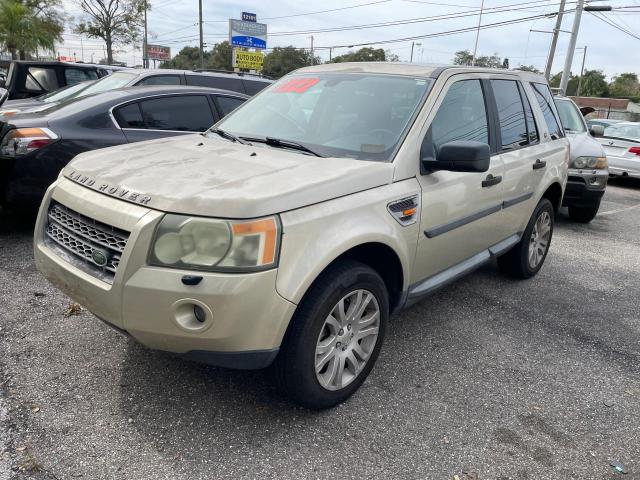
405	210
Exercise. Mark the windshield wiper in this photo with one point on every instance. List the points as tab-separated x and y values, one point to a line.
279	143
228	136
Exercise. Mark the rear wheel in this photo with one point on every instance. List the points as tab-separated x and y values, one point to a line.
583	214
335	336
526	258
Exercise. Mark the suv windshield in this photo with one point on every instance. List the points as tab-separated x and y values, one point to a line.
333	114
571	118
110	82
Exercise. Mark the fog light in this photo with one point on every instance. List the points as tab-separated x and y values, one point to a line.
200	314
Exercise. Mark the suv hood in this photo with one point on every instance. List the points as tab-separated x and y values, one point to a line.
214	177
584	145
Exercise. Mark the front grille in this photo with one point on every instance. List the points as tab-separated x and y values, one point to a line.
87	239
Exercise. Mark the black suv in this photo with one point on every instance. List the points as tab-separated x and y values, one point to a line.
27	79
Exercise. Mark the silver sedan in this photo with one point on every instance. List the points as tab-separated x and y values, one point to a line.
621	143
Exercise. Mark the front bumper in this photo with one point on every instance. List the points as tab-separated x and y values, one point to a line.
245	318
585	188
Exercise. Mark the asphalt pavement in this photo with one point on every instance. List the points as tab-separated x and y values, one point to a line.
489	378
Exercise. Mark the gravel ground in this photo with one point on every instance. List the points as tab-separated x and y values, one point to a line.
487	379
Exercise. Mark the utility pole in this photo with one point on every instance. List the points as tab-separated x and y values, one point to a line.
554	40
568	61
584	57
145	55
330	52
201	38
475	47
312	59
82	49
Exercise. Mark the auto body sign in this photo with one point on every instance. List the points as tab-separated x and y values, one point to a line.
248	60
247	34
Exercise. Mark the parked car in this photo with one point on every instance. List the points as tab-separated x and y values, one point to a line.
36	104
34	147
288	239
27	78
127	78
604	122
588	172
621	142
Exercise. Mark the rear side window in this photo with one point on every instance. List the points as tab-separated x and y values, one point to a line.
129	116
75	75
461	116
161	80
532	129
228	104
254	86
213	81
184	113
513	124
41	79
547	105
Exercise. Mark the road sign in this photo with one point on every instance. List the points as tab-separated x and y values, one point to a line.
249	17
158	52
247	34
248	60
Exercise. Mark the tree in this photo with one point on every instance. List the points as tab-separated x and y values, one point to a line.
593	84
187	59
366	54
529	68
27	26
625	85
221	57
464	57
283	60
114	21
572	84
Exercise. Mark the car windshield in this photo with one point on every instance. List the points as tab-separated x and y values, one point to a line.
110	82
570	116
333	114
64	93
630	131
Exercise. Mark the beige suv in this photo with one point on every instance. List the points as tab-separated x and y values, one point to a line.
288	233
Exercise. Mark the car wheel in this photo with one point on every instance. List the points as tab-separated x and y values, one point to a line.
583	214
335	336
526	258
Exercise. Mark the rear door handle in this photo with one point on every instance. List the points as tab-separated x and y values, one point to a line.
539	164
491	180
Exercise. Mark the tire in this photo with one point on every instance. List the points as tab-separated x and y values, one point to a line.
583	214
516	262
311	331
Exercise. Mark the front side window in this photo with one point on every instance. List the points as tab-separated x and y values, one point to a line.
41	79
76	75
513	124
184	113
353	115
532	129
571	118
547	105
161	80
461	116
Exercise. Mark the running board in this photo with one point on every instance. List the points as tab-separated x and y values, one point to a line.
419	290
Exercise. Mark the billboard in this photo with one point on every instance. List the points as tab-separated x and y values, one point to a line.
247	34
248	60
158	52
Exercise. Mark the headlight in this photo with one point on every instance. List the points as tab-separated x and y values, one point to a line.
21	141
590	162
216	245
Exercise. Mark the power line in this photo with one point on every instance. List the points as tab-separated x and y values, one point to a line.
614	25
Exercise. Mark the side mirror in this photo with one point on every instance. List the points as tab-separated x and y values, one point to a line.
460	156
596	131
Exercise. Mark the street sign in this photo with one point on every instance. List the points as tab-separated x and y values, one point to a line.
248	60
247	34
158	52
249	17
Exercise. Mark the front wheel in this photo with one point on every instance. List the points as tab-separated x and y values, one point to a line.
335	336
526	258
583	214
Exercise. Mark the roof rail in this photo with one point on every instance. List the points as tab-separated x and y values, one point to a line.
241	74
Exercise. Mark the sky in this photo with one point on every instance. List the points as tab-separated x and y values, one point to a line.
174	23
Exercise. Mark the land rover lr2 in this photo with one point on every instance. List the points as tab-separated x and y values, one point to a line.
287	234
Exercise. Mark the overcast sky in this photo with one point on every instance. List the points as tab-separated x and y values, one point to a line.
174	23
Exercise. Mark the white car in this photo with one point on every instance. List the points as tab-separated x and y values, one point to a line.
621	143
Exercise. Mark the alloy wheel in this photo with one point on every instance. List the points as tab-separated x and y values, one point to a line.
539	241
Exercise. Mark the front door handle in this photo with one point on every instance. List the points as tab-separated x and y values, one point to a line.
491	180
539	164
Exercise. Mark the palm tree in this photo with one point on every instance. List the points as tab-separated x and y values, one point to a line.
22	31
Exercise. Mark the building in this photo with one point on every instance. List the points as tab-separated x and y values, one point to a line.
613	108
